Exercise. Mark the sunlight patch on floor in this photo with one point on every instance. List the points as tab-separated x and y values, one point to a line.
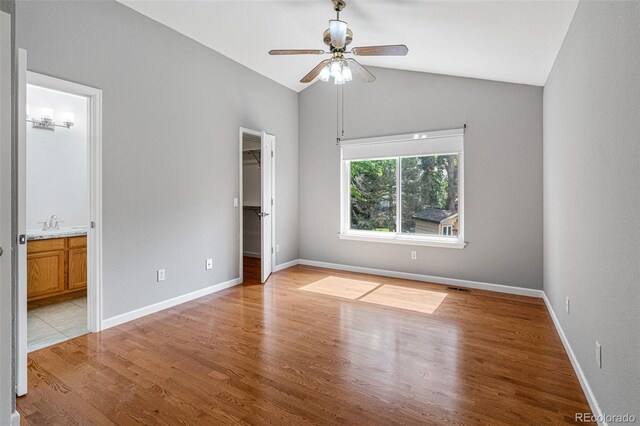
412	299
341	287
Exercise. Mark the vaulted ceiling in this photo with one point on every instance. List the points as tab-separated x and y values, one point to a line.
514	40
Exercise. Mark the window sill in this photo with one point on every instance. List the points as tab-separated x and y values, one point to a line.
432	242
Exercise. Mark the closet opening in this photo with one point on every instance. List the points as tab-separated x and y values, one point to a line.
257	197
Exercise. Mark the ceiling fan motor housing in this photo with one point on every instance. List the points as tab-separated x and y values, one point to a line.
326	37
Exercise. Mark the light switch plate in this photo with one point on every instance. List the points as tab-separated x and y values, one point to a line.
209	264
414	255
235	202
161	275
598	354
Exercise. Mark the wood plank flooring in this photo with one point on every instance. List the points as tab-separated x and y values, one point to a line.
277	355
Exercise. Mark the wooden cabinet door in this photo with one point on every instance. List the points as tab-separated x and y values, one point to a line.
77	268
45	273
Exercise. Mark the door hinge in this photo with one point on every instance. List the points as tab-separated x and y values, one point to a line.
271	250
92	224
272	201
271	154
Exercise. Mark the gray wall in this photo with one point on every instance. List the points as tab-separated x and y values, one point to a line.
171	112
503	172
592	196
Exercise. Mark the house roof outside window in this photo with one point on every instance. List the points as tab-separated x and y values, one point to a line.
435	215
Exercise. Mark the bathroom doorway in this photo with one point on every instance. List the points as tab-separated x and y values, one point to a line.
59	244
257	198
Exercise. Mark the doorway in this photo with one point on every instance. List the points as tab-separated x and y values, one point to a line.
59	213
257	201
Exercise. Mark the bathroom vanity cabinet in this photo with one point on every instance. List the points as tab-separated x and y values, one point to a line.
56	269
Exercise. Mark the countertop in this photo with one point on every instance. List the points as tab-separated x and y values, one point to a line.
35	234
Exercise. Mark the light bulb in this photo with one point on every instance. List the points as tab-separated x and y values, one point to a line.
339	79
46	113
325	74
68	117
336	69
346	73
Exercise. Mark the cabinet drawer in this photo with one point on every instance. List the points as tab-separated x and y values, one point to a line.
77	242
39	246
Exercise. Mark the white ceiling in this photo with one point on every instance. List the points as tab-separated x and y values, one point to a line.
511	40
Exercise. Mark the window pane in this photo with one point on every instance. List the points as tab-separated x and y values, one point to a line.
430	195
373	195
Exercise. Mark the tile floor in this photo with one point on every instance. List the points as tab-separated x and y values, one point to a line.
56	323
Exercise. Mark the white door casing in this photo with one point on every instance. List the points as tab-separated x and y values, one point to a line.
266	165
94	232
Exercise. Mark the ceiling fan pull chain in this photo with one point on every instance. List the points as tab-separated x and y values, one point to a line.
342	90
337	115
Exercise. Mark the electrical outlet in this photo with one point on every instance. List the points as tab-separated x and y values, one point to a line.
598	354
235	202
277	248
161	275
209	264
414	255
567	305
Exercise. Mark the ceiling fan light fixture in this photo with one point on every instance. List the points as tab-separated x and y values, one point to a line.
336	69
325	74
346	73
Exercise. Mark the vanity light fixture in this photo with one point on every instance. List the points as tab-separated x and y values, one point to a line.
46	120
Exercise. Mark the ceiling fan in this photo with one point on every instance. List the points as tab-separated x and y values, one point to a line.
342	69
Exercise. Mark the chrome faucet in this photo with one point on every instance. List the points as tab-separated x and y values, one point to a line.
53	224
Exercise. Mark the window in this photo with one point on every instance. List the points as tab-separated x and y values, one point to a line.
404	189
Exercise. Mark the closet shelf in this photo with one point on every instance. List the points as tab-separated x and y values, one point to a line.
256	209
255	153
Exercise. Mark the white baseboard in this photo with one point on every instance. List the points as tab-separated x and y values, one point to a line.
591	398
251	254
165	304
286	265
15	419
427	278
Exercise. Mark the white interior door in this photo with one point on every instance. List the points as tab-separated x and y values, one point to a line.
21	300
6	311
266	165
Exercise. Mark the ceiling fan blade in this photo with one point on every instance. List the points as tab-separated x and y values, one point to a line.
360	71
314	72
297	52
338	31
393	50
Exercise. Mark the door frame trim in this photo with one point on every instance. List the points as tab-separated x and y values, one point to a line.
94	234
241	131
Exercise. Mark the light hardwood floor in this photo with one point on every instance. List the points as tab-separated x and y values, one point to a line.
274	354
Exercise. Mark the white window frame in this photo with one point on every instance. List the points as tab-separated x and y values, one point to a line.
346	233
